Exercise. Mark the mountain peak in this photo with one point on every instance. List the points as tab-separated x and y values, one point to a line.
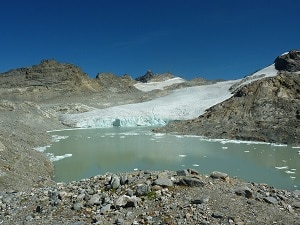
288	61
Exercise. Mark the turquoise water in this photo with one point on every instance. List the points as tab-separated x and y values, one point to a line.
87	152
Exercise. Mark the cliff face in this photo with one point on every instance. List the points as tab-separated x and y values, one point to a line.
265	110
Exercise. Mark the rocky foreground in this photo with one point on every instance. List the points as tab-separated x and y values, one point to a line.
146	197
33	100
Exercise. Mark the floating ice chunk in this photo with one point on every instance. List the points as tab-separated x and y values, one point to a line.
246	151
42	148
289	172
293	169
279	145
195	165
295	146
135	169
57	138
54	158
225	147
281	167
182	156
293	177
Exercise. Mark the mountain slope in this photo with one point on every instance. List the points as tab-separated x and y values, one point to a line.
266	109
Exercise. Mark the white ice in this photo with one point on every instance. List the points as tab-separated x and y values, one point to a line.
268	71
180	104
158	85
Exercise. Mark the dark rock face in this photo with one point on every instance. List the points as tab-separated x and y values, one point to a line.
288	62
266	110
151	77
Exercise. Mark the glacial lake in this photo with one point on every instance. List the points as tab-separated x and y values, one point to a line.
83	153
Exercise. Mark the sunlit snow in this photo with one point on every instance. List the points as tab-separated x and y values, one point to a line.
181	104
158	85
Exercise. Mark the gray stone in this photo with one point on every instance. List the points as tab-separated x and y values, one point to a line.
244	191
296	193
94	200
119	221
217	214
296	204
124	180
219	175
126	201
115	182
182	173
142	189
270	200
200	200
129	192
77	223
164	182
77	206
105	209
81	196
191	181
193	171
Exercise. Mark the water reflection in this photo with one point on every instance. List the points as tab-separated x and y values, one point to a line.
97	151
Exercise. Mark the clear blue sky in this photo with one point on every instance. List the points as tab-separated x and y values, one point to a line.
192	38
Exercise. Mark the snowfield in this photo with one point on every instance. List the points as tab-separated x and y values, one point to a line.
158	85
181	104
268	71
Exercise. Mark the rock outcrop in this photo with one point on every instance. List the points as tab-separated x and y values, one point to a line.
115	83
149	76
48	79
289	61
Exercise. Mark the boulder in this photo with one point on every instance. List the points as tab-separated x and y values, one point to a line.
164	182
191	182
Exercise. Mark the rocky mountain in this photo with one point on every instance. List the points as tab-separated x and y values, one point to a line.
266	109
115	83
149	76
48	79
51	79
288	62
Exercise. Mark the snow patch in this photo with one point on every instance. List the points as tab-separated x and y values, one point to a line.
145	87
268	71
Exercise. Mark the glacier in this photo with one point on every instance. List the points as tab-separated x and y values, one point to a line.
180	104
